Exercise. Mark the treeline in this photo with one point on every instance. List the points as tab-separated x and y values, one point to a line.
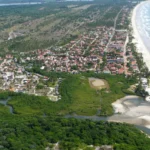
37	133
140	62
52	75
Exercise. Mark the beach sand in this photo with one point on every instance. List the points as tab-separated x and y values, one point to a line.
141	48
133	110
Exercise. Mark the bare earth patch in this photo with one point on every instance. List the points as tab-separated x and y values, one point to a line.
42	8
98	83
71	6
82	7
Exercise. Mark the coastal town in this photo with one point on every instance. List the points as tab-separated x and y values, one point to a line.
74	75
89	53
101	49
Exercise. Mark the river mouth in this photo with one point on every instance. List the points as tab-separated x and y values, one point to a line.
130	109
133	110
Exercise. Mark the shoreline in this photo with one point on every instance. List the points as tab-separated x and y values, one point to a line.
141	48
132	110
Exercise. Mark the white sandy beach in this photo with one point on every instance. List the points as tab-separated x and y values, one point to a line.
138	41
133	110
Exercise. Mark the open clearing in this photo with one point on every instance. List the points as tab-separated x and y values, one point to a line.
82	7
85	100
98	83
77	97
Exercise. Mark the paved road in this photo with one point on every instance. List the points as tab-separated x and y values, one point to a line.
115	22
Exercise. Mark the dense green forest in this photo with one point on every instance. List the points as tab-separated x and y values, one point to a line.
37	133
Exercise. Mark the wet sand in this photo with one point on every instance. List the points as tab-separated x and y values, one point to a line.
133	110
129	109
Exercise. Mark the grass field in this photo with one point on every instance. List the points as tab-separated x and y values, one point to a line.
77	97
86	99
3	109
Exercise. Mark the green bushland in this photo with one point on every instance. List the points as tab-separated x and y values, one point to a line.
4	110
85	100
82	99
40	24
108	18
126	91
76	96
36	133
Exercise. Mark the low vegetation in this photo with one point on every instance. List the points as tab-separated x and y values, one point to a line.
48	24
76	97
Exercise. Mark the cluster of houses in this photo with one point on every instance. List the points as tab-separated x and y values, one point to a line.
101	49
84	53
14	77
131	61
115	53
87	53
